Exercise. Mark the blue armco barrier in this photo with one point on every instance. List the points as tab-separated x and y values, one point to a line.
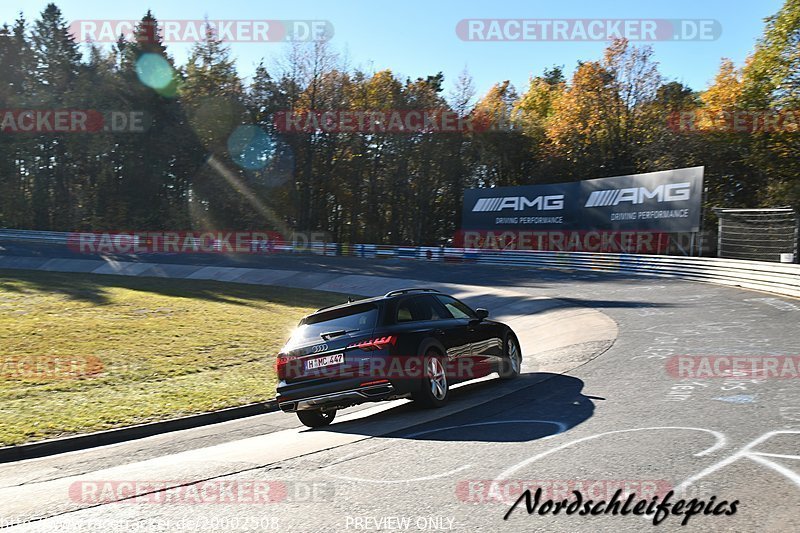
780	278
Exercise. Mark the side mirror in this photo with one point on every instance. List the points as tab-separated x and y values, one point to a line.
481	313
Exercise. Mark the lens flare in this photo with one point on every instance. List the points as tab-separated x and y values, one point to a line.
250	147
154	71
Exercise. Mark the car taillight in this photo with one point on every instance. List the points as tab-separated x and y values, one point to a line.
378	343
280	365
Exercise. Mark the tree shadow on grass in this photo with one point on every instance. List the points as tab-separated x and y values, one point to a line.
94	288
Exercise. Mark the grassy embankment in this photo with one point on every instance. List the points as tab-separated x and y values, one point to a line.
83	352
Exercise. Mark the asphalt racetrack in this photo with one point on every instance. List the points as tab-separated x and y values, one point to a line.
619	419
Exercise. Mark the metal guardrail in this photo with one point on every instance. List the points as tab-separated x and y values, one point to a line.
770	277
53	237
779	278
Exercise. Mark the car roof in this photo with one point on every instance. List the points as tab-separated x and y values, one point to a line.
391	295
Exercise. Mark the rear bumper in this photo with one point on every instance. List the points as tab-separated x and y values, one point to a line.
335	400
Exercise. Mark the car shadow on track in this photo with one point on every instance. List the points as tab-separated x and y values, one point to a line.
548	405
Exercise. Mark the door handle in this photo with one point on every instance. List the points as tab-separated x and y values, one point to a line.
438	331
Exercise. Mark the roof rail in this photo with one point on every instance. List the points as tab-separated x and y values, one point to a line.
413	289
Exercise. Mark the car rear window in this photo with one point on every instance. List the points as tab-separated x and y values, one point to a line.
352	320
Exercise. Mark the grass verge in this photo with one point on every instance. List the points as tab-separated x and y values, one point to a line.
86	352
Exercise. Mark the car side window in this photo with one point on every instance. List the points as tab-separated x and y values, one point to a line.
418	308
456	308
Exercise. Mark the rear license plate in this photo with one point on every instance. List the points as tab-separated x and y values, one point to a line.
328	360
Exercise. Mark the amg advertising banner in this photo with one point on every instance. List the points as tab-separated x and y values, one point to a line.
664	202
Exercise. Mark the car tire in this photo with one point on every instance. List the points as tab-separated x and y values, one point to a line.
434	388
316	418
511	364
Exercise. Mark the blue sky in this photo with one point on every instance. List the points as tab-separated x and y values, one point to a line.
417	38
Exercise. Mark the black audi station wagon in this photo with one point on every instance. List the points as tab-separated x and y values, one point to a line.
409	343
